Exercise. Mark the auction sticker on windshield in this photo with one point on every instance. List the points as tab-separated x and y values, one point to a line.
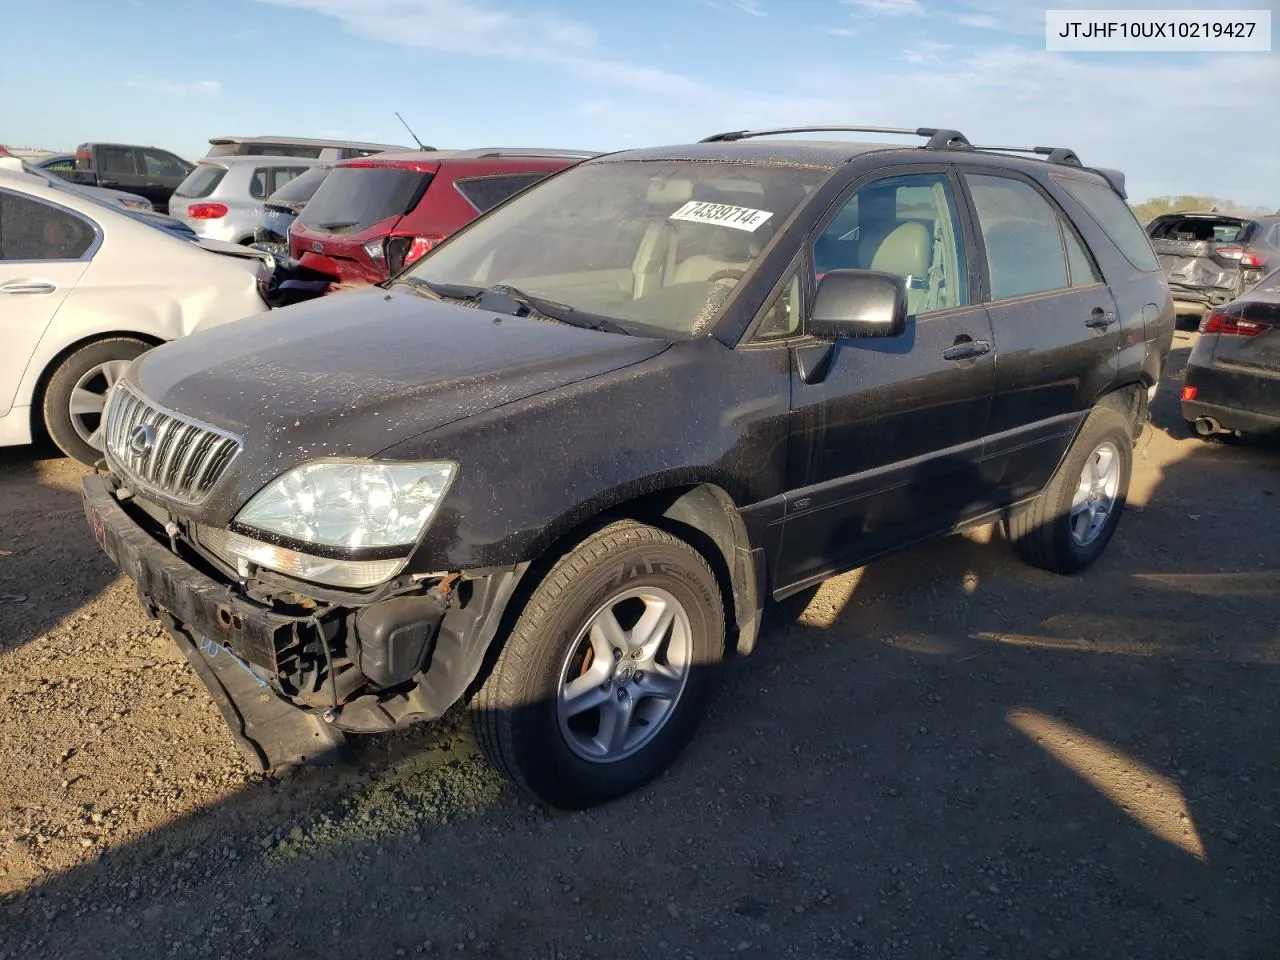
739	218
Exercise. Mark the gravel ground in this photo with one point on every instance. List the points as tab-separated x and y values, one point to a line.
945	754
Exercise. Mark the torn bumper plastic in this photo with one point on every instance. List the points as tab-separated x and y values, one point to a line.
220	635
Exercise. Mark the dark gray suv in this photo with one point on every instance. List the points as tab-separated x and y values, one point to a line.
557	467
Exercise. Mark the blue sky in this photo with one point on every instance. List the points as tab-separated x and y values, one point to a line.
607	74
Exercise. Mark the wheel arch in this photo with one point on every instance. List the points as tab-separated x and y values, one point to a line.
702	514
46	373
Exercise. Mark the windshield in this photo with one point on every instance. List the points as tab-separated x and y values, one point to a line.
352	198
660	243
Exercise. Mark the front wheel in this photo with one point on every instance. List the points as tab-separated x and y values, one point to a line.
1067	527
607	672
77	393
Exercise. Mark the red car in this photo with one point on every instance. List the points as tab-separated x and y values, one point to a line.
373	216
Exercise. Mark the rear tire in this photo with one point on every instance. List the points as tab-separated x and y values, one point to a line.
76	392
565	655
1064	530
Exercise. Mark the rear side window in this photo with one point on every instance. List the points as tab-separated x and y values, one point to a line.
1022	234
485	193
202	181
352	198
282	175
1116	219
117	161
1083	271
302	187
160	164
258	183
31	230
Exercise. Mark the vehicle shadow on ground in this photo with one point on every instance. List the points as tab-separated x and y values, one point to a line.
49	534
944	754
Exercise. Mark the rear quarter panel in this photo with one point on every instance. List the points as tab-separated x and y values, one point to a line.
1143	302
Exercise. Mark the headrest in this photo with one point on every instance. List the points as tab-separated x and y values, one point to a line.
907	251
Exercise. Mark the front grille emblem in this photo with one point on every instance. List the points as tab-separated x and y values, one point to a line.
142	439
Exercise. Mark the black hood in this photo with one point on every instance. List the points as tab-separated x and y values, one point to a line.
351	374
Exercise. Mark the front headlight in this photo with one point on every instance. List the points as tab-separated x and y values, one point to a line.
352	506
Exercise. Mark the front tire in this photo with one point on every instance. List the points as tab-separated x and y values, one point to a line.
1067	527
607	671
77	392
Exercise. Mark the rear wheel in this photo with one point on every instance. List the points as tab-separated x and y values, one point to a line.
1069	525
77	392
608	670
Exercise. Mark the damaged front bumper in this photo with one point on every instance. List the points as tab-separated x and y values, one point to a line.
292	673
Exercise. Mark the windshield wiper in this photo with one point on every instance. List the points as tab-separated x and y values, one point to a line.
440	291
561	312
485	297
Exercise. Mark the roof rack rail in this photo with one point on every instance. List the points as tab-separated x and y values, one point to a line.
1067	157
939	139
1063	155
479	152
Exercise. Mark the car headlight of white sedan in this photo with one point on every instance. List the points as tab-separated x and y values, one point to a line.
348	523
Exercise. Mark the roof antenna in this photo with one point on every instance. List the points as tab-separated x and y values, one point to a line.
421	145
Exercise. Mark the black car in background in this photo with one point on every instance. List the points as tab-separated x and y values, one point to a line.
1211	258
1232	383
283	207
556	468
147	171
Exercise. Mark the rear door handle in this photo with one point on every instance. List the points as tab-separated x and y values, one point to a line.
1100	319
966	350
25	286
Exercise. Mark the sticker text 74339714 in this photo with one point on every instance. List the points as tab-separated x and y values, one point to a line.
739	218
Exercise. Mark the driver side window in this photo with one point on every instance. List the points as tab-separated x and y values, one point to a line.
902	225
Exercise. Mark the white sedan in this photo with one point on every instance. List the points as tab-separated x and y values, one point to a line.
85	287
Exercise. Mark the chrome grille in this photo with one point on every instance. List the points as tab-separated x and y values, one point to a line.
165	452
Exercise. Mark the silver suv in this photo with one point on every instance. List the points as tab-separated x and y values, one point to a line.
222	198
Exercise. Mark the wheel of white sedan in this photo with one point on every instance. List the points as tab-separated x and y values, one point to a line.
77	393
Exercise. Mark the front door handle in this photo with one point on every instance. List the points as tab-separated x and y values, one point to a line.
1100	319
966	350
25	286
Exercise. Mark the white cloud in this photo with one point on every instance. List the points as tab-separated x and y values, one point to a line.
176	88
841	31
888	8
473	28
753	7
981	21
926	51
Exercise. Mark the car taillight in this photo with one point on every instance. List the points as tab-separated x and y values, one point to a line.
207	211
376	251
402	251
1252	261
1231	253
1189	393
1219	322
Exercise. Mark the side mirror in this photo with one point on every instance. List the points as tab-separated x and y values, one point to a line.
859	303
85	178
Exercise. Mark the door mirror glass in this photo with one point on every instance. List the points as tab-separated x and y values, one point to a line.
859	303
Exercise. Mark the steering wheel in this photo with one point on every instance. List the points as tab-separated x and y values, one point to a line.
726	275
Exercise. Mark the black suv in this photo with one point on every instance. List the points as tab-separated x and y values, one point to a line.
556	468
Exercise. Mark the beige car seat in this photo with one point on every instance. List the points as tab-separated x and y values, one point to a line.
907	250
